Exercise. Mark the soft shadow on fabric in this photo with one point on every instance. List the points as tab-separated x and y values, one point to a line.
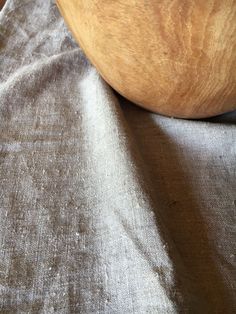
178	205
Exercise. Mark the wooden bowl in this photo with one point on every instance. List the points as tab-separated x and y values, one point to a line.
177	58
2	2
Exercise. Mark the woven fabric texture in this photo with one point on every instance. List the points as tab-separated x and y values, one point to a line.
105	207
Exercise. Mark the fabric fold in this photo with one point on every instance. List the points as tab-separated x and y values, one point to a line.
90	221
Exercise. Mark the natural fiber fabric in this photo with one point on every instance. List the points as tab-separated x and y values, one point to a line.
105	207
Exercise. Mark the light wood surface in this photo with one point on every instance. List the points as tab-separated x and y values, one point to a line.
177	58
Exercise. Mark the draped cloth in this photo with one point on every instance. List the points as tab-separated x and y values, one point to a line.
105	207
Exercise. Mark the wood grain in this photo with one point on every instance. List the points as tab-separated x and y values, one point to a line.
174	57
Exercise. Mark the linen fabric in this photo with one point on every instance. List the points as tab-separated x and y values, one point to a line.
105	207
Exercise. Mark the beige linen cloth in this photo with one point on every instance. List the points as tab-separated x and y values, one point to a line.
105	207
